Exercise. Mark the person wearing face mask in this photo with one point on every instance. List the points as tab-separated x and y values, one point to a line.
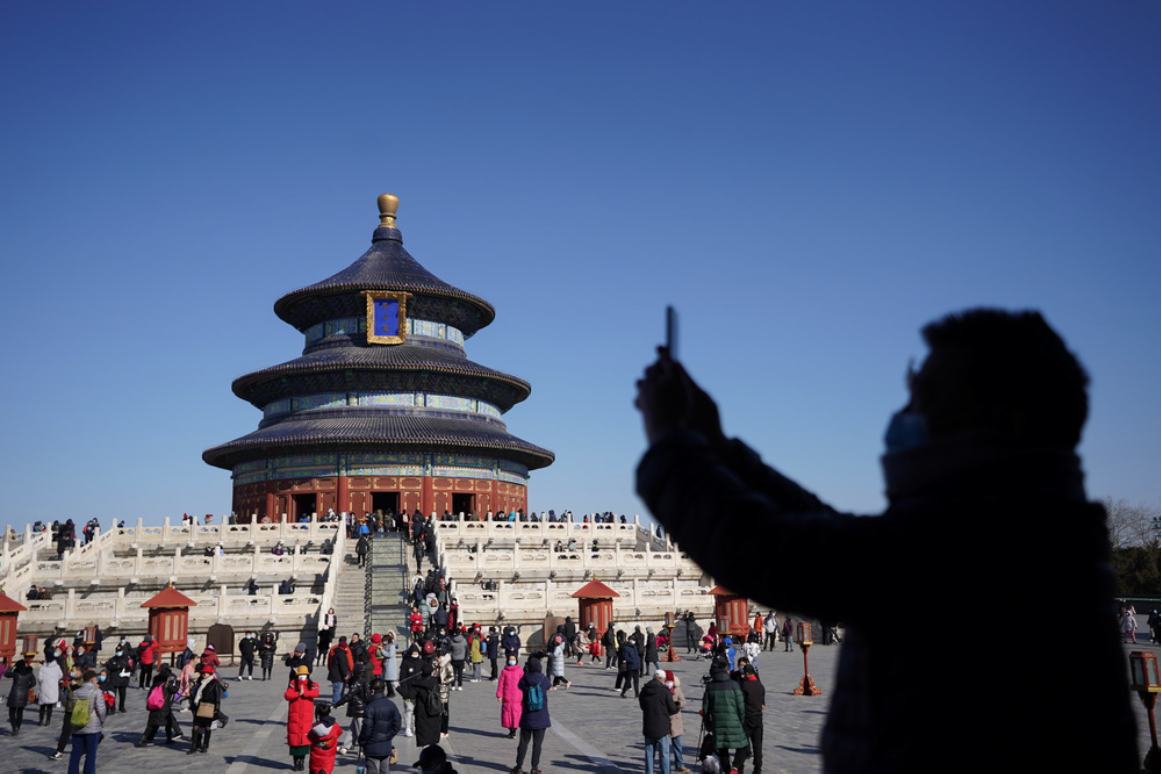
658	705
509	693
300	696
205	702
246	648
409	673
674	684
118	674
267	647
75	682
986	497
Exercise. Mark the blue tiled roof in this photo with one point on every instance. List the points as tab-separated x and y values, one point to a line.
345	430
385	266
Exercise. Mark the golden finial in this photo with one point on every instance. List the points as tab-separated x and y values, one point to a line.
387	205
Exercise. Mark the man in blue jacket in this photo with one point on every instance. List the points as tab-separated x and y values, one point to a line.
380	724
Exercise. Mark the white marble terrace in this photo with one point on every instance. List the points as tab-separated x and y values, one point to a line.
104	582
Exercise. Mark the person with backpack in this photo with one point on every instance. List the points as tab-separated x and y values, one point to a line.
159	703
187	655
534	716
429	708
375	655
69	702
87	719
410	671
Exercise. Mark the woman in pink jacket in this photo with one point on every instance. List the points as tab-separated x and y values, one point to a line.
510	695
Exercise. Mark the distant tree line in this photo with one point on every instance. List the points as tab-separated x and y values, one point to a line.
1137	559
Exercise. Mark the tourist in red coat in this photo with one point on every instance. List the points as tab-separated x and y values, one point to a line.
324	737
377	653
145	658
300	716
210	657
510	696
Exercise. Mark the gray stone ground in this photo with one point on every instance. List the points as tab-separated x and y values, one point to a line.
594	731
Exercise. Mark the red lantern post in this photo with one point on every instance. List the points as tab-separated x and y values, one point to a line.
1144	680
807	686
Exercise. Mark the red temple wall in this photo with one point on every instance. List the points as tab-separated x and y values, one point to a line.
355	494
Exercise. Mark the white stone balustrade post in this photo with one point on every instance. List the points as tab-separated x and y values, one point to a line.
119	609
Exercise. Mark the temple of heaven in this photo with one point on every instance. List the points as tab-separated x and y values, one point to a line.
383	410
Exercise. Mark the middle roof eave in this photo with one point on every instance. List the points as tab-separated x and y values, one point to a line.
397	359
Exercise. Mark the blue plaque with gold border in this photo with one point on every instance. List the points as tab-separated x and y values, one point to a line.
387	321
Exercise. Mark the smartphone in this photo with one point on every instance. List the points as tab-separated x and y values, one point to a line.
672	332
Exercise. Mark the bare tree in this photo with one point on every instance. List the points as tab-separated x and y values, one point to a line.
1131	526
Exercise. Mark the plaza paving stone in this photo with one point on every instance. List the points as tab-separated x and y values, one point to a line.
595	731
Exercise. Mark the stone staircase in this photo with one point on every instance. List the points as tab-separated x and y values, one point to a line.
386	586
350	602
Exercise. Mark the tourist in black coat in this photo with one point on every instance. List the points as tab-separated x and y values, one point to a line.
409	673
658	705
246	648
209	691
163	716
429	714
118	672
651	657
23	681
381	723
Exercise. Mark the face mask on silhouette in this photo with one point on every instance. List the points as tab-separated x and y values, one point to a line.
512	662
906	430
302	677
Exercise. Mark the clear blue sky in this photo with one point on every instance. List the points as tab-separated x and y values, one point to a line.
808	183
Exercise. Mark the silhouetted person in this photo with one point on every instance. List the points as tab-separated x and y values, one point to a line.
985	500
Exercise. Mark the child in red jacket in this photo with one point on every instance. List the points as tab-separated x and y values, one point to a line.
324	738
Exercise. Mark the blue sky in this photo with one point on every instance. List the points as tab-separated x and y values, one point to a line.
808	183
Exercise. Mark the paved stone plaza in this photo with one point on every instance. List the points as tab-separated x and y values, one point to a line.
594	730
